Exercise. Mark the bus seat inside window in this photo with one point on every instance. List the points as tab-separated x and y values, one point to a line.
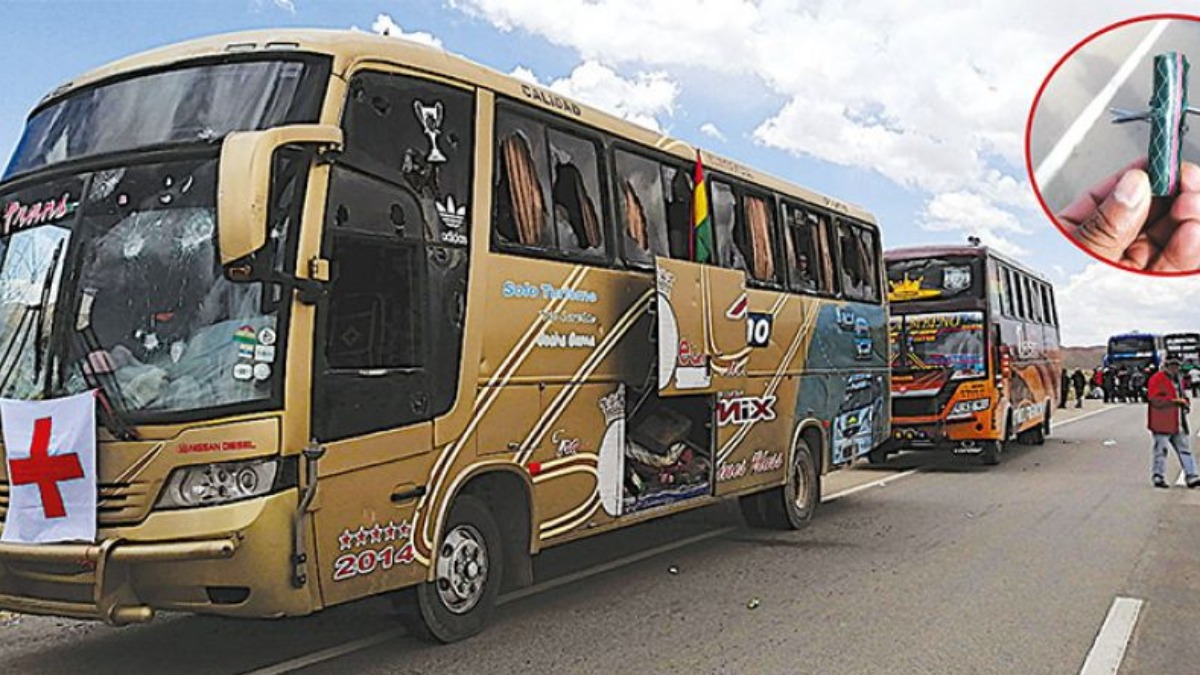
571	197
679	212
578	223
724	216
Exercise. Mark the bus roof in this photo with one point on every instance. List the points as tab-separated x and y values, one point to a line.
966	250
349	48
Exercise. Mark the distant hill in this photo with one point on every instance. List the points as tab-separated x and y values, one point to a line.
1085	358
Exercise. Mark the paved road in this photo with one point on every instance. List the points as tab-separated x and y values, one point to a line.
951	568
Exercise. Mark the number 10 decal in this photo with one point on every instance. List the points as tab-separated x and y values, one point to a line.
758	329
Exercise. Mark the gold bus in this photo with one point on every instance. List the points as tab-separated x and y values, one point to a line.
975	351
364	316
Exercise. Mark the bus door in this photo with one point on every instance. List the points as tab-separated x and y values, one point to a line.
389	332
701	337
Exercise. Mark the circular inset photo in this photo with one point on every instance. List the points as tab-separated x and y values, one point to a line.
1108	149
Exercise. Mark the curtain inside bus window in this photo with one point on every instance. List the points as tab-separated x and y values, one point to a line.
576	182
524	194
643	212
758	225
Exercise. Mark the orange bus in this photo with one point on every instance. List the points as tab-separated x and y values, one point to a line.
975	351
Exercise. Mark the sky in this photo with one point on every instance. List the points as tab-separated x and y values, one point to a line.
915	110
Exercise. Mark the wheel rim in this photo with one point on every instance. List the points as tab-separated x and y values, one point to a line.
462	569
800	484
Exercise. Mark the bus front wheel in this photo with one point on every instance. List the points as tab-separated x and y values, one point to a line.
791	506
991	452
468	570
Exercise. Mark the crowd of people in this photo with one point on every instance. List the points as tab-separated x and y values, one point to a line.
1120	384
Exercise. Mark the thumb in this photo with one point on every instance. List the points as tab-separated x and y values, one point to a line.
1113	226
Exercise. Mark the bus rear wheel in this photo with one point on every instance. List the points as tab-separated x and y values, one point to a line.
791	506
468	570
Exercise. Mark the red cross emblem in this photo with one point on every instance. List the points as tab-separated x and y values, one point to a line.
46	470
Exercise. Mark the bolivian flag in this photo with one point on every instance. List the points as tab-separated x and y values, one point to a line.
702	237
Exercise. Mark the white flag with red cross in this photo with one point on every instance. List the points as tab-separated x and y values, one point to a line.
50	452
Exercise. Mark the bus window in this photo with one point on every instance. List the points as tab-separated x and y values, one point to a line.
1035	300
391	327
416	135
1053	316
755	238
576	186
724	215
998	299
643	217
858	262
522	182
679	211
806	251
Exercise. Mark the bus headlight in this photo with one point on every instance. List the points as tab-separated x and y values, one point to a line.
968	408
212	484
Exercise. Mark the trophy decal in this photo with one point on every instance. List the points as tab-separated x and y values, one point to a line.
431	120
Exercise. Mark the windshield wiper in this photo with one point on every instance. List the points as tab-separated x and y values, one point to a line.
112	416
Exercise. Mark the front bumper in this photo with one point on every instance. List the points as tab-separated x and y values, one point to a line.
173	560
89	566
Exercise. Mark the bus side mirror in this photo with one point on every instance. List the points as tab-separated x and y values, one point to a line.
244	182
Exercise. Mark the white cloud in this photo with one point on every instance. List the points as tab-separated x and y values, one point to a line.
645	98
970	213
1101	301
384	25
285	4
711	130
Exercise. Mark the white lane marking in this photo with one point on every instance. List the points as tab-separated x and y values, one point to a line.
1109	648
1054	425
875	483
371	640
1062	150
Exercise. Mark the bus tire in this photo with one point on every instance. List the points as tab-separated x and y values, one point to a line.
878	456
791	506
469	568
991	452
752	510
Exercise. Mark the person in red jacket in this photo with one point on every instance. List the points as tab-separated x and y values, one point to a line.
1168	423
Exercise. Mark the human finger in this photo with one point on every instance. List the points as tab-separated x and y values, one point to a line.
1140	253
1118	219
1182	251
1087	202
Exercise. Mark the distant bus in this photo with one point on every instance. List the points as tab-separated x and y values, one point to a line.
975	352
1183	346
1134	350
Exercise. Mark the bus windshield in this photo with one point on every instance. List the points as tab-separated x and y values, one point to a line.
934	279
1136	346
949	341
112	278
187	104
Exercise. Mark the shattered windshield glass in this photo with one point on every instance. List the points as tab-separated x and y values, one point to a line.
147	314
